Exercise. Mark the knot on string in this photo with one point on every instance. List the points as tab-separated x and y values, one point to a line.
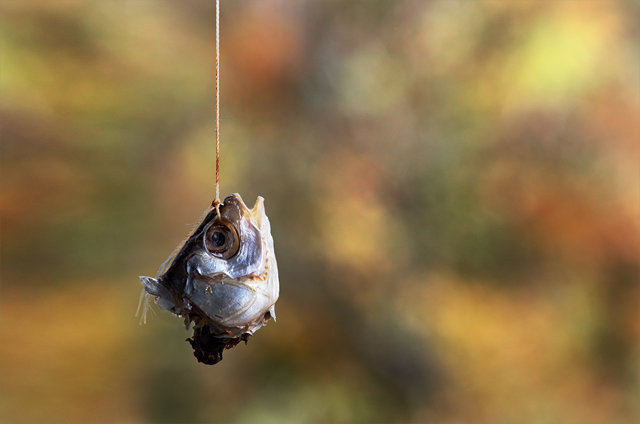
216	205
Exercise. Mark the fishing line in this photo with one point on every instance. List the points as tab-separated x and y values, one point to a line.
216	201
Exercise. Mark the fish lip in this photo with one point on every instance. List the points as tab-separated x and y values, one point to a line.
221	279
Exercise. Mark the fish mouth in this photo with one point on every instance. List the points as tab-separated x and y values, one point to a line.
223	301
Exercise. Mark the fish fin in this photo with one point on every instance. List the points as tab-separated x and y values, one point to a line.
258	213
143	306
164	298
272	312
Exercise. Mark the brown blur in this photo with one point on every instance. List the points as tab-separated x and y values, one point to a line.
453	188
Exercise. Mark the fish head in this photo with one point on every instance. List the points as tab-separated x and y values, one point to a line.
225	274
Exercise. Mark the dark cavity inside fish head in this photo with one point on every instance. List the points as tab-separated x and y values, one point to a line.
224	276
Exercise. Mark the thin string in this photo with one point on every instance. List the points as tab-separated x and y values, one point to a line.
216	201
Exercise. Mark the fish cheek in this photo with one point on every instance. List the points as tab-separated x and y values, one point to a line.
250	259
220	301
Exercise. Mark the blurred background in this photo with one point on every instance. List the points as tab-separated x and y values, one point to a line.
453	188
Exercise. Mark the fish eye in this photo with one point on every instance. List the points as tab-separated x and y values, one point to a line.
218	238
221	239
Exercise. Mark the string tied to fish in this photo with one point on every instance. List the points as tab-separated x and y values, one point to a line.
223	278
216	202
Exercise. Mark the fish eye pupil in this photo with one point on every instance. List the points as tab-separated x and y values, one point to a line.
218	239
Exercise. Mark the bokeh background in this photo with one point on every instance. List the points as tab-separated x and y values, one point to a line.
453	186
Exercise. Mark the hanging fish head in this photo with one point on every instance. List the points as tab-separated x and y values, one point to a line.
223	278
